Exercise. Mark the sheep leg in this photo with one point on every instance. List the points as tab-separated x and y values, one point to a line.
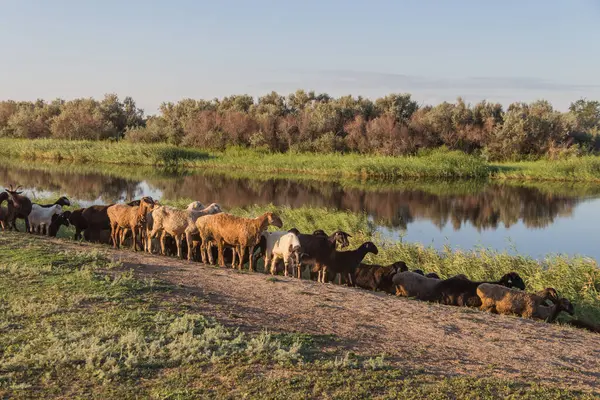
113	229
274	265
163	235
190	245
250	261
221	257
352	277
209	254
241	256
203	252
134	239
178	244
285	267
268	266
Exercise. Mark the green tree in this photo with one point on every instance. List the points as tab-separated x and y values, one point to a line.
82	119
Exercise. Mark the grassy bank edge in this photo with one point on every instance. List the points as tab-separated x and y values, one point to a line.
435	164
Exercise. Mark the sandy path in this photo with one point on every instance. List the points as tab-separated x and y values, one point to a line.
441	339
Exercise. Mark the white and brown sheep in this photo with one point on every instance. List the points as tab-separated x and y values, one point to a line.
503	300
284	246
241	233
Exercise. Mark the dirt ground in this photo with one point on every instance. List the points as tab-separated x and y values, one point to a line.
439	339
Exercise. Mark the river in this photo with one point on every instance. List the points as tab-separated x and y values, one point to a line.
531	219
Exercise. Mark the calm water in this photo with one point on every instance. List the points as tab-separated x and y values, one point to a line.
534	220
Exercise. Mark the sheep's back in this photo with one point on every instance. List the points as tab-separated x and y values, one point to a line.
411	284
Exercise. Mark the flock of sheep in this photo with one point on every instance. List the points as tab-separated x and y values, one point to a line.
209	233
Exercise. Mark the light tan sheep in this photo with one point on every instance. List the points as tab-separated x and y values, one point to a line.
123	216
503	300
412	284
241	233
191	232
177	223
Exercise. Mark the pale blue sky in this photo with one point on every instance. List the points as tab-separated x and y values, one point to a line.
436	50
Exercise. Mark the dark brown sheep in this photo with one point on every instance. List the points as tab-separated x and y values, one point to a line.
345	263
458	291
378	277
58	220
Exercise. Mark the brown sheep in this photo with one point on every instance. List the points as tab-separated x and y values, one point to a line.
242	233
503	300
379	277
123	216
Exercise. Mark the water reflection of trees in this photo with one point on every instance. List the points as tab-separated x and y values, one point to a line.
486	208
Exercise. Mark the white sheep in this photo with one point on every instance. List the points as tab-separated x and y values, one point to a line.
40	217
282	245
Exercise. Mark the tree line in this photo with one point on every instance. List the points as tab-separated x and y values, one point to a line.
308	122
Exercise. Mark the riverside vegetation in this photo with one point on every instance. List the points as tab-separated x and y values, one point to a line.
439	163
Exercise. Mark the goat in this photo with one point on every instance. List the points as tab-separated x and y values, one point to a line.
503	300
236	231
19	206
58	220
346	262
459	291
378	277
40	217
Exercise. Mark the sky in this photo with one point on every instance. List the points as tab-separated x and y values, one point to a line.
437	50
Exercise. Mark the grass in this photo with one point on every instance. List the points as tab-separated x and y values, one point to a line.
439	164
75	325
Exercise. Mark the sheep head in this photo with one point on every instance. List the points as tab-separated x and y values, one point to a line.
195	206
512	280
550	294
342	238
566	306
400	266
274	220
214	208
370	247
